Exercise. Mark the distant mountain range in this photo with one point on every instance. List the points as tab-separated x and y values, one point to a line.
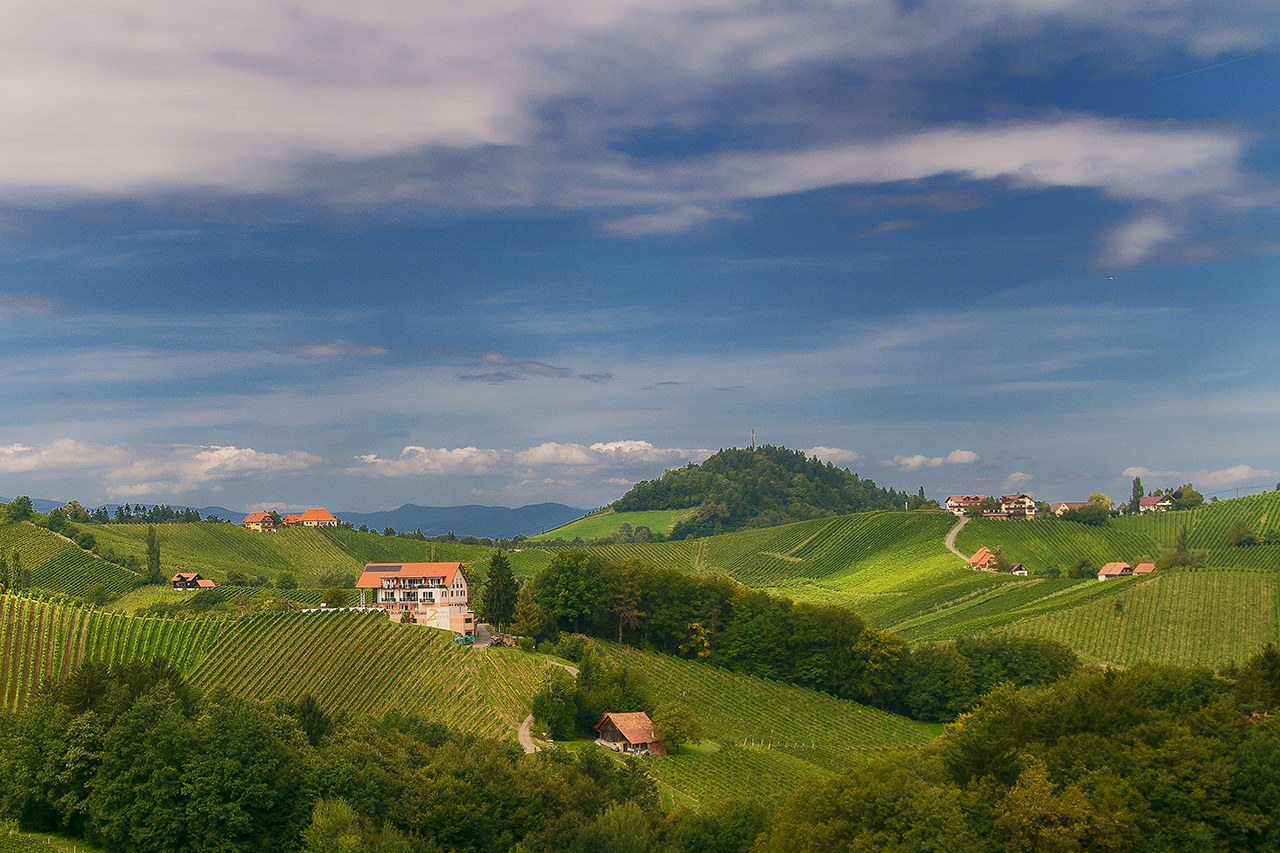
490	521
480	521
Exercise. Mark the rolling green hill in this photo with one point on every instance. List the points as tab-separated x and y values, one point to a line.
308	553
42	639
59	565
608	522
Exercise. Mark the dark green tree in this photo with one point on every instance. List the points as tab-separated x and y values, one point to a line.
498	597
20	508
1135	504
675	724
154	573
569	586
286	580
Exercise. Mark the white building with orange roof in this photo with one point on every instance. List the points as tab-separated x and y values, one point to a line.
437	594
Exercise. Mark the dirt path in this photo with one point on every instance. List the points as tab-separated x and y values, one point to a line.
525	732
951	539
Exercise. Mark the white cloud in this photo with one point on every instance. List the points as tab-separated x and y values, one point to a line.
1133	241
135	471
684	218
576	458
836	455
1017	478
915	463
1204	478
329	349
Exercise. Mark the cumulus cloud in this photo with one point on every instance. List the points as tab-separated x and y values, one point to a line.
915	463
137	471
1205	478
1017	478
836	455
529	464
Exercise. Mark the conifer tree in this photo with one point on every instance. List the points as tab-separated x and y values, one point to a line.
154	574
498	599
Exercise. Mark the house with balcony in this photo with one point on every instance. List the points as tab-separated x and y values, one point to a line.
437	594
260	522
961	504
1018	506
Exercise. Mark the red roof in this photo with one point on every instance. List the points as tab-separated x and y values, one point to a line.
1155	500
1115	569
375	572
290	519
316	515
205	584
256	518
964	499
1144	568
1004	499
981	557
636	726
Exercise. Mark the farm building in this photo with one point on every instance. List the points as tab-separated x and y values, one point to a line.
435	593
1115	570
1155	503
261	522
1018	506
1018	569
311	518
1144	568
1062	506
961	504
190	580
983	558
631	733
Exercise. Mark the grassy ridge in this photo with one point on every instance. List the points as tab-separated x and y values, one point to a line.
59	565
609	522
40	639
366	664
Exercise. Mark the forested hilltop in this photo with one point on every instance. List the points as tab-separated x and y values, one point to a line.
759	487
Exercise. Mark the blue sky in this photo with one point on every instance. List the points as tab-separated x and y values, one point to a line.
263	254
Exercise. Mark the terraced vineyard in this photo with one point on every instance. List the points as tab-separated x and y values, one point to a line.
1038	543
1195	617
41	639
773	734
58	564
365	664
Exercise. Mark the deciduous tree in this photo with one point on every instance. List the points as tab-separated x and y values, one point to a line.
675	724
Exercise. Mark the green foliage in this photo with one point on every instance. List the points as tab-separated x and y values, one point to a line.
758	487
286	580
336	597
1092	513
675	725
555	707
19	509
497	601
154	574
567	589
609	525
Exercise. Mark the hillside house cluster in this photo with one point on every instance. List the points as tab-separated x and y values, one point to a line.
1011	506
262	522
437	594
1124	570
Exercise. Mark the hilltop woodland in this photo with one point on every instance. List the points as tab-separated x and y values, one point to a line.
759	487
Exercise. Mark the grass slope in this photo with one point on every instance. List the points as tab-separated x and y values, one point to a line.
307	553
41	639
608	522
767	735
59	565
366	664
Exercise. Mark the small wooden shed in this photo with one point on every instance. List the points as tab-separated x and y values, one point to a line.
631	733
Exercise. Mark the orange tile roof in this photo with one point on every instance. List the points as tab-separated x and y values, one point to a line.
636	726
981	557
205	584
1144	568
1114	569
290	519
373	573
256	517
316	515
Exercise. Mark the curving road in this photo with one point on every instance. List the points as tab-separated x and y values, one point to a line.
951	539
525	732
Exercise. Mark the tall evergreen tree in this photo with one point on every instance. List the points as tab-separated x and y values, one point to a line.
154	574
5	579
21	579
498	598
1135	505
